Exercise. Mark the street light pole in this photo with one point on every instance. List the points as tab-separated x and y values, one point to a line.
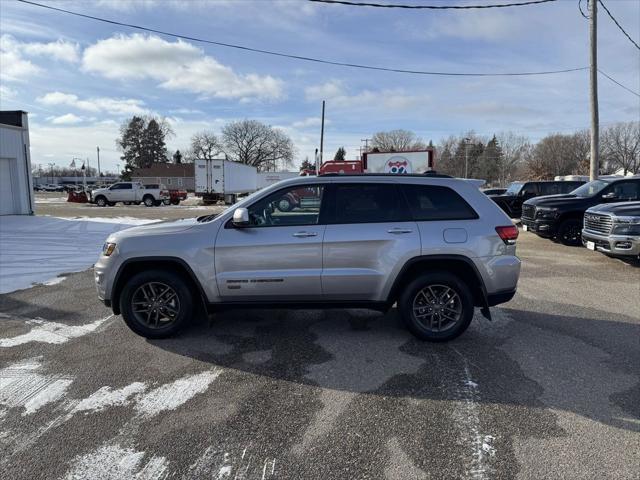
98	150
466	157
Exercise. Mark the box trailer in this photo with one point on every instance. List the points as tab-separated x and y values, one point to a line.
220	179
419	161
266	179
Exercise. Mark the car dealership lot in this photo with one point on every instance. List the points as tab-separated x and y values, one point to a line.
549	389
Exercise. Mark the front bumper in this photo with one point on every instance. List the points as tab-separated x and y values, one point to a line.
618	245
544	228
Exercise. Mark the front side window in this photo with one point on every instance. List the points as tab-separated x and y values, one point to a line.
297	205
626	190
369	203
432	202
514	188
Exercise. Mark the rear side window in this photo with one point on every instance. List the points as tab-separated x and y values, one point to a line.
431	202
369	203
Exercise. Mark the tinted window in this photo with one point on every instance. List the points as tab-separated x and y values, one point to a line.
430	202
298	205
121	186
529	189
627	190
591	188
368	203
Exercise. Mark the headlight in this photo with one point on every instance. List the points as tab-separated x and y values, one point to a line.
627	220
108	248
550	213
626	229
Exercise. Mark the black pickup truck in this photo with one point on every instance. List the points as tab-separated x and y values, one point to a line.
561	216
518	192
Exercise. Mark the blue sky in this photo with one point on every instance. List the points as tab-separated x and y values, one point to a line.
80	79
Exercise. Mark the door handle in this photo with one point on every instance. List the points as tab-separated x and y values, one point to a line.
399	230
305	234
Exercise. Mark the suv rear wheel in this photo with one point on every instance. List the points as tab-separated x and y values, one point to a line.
436	306
156	304
148	201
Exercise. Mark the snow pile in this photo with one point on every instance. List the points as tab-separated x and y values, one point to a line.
37	249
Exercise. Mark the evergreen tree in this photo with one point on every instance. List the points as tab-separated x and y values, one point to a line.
340	155
153	144
307	165
130	142
177	157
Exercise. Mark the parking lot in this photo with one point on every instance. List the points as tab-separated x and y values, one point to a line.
549	389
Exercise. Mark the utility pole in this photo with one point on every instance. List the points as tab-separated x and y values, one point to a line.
98	150
321	140
366	143
466	157
593	74
51	165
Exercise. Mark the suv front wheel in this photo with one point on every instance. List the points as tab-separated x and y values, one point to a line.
436	306
156	304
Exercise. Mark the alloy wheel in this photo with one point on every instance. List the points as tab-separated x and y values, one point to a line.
155	305
437	307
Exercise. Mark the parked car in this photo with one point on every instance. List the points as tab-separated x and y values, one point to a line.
129	193
437	247
52	187
494	191
561	216
518	192
613	229
176	195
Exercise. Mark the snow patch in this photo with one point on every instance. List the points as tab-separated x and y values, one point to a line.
171	395
52	332
22	386
112	462
54	281
106	397
37	249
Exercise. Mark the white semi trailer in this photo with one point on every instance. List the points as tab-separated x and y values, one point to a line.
220	179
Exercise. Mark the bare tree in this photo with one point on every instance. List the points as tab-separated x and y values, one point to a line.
204	146
396	141
621	146
557	155
254	143
515	149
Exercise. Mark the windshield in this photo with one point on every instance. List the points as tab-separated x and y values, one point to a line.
514	188
590	189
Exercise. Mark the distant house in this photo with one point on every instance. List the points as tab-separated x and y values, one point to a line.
170	175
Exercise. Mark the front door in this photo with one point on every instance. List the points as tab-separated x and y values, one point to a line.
369	237
278	257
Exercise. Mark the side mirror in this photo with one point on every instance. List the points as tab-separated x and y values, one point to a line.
609	196
240	217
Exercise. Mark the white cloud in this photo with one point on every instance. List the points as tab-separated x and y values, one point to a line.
176	65
113	106
14	65
310	122
387	99
67	119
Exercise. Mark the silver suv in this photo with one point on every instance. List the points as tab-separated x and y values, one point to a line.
435	246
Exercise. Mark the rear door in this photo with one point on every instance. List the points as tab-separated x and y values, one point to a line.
369	237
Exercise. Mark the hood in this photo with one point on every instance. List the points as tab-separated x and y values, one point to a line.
620	209
561	200
158	228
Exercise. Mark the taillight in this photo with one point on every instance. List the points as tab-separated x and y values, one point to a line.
508	234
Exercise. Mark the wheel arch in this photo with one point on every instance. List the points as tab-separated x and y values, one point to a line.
459	265
136	265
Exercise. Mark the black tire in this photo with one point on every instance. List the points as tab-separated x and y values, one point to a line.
136	320
166	201
175	202
411	300
148	201
569	232
101	201
284	204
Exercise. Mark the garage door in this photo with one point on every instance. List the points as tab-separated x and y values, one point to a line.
7	179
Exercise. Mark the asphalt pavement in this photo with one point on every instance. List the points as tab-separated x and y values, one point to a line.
549	389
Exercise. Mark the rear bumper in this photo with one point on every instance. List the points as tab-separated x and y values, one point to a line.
618	245
544	228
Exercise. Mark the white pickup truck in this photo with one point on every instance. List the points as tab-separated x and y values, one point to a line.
130	193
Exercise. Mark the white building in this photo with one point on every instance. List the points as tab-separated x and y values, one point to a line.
16	184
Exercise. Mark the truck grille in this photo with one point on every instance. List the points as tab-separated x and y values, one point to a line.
597	223
529	212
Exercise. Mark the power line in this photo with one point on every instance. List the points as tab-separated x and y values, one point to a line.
619	84
430	7
301	57
619	26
